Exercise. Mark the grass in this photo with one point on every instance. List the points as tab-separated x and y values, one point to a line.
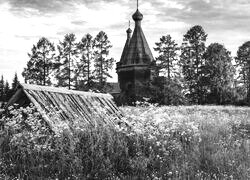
214	141
179	142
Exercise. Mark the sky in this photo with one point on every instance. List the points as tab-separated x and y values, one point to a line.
24	22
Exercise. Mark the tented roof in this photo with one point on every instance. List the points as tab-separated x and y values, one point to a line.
126	47
63	107
136	50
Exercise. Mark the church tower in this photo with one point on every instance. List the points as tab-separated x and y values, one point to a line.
136	66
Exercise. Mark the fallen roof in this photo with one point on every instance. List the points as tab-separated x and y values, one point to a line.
63	107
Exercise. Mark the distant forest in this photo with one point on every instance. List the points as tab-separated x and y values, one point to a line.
190	73
7	90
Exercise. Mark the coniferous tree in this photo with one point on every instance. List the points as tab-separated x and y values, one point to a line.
65	65
14	85
7	92
33	73
2	89
243	64
85	46
167	60
218	74
167	65
39	67
192	50
102	63
15	82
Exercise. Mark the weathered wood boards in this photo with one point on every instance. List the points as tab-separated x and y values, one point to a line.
63	107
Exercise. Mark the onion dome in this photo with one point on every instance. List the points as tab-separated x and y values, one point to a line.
129	31
136	51
137	16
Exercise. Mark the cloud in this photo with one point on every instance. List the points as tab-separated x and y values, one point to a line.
207	12
27	37
45	7
40	6
215	16
24	21
119	26
78	22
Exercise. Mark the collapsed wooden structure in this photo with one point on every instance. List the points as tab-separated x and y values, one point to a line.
63	107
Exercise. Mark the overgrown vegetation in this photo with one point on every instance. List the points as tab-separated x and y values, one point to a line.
195	142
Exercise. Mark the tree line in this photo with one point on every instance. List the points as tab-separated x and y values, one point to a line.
191	73
196	74
7	90
80	65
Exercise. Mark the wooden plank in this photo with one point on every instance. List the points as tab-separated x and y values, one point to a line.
70	106
40	110
62	90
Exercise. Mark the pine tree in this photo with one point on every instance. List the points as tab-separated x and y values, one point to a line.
102	63
15	82
218	74
166	64
39	66
192	50
167	59
243	64
32	73
85	46
7	92
2	89
14	85
65	65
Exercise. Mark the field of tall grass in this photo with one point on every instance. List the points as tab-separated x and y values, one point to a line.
150	142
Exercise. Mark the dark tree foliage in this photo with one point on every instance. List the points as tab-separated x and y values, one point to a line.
84	71
165	92
2	89
7	92
167	59
39	67
65	64
191	59
102	62
167	65
243	64
15	82
218	74
14	85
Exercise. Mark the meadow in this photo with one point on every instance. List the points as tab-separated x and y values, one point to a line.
149	142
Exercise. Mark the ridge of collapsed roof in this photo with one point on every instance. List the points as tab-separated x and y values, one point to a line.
62	90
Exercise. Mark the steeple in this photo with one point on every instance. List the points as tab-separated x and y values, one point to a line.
137	16
129	31
125	49
135	66
138	50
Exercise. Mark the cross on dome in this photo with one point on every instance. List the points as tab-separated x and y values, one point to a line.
137	16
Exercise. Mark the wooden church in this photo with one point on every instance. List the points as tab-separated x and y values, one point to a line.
137	65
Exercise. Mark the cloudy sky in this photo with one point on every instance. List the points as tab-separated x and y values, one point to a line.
23	22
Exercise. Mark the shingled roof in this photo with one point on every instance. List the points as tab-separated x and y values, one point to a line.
126	47
59	105
136	49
